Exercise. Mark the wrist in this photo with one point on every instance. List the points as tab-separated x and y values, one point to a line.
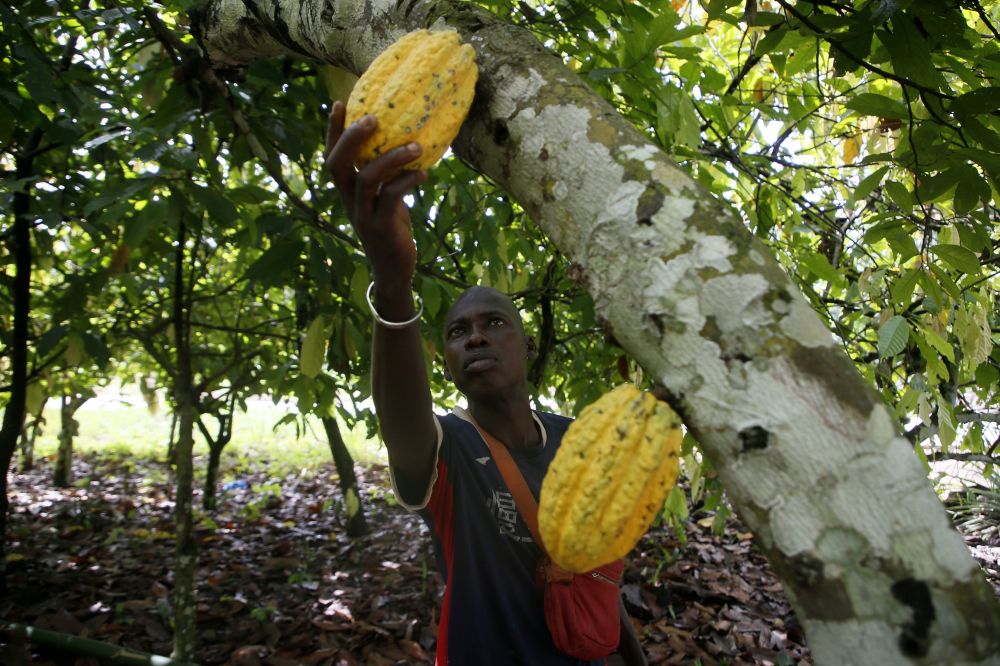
393	306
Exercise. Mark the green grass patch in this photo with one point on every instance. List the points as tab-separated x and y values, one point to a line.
119	424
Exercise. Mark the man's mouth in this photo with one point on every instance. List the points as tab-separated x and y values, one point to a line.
479	363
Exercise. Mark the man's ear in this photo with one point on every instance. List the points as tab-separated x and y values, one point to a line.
529	343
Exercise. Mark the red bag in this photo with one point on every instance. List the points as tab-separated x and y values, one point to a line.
581	610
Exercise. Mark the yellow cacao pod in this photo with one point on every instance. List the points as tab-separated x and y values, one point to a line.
420	89
609	479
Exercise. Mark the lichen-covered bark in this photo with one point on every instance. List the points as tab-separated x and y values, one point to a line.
808	454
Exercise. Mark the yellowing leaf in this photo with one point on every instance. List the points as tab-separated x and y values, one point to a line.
119	259
352	502
339	82
74	350
34	398
972	327
851	148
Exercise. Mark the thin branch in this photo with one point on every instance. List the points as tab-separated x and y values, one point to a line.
861	62
966	457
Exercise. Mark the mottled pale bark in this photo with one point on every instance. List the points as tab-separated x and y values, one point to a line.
808	454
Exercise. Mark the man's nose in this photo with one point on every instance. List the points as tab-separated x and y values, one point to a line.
477	337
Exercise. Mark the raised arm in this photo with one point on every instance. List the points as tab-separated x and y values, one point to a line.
373	199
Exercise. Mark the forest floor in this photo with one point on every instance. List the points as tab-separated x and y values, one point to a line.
280	584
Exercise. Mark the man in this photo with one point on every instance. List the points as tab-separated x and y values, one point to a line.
492	611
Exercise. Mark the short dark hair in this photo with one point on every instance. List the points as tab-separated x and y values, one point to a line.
490	292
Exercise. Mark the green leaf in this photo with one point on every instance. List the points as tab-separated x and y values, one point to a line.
217	206
893	336
771	41
277	262
873	104
983	100
942	346
970	190
867	185
430	292
314	348
902	288
821	267
911	52
676	504
946	424
958	257
899	194
139	225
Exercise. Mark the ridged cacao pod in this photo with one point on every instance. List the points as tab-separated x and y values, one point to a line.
609	478
420	89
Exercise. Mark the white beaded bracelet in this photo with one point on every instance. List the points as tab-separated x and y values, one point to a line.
393	324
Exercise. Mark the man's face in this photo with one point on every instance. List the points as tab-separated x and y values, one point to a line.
485	348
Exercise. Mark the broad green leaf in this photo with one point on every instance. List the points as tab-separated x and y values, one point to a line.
51	338
821	267
901	196
983	100
771	41
867	185
957	257
430	292
139	225
873	104
280	260
911	52
946	424
216	205
941	345
676	504
970	190
893	336
359	287
935	369
313	351
902	288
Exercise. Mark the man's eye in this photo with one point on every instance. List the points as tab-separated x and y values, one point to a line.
455	332
496	321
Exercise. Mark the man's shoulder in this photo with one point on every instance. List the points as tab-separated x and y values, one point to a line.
554	419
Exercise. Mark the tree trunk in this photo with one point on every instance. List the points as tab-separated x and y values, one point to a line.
357	524
215	447
28	436
19	245
63	475
172	439
807	452
184	406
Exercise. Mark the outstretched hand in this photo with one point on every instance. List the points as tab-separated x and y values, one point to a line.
373	196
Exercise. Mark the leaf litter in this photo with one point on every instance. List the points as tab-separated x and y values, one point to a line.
279	583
